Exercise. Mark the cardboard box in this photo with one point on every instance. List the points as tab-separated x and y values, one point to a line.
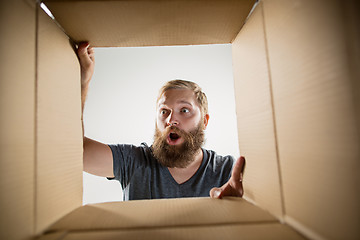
198	218
298	104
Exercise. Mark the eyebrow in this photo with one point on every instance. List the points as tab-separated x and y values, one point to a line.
185	102
177	102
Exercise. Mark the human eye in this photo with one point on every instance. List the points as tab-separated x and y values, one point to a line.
163	111
185	110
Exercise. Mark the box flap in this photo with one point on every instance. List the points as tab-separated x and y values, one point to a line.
17	119
59	136
162	213
231	231
317	129
256	128
151	23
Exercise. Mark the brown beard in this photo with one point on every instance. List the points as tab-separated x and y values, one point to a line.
179	156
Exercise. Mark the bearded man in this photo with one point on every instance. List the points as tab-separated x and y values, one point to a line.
175	165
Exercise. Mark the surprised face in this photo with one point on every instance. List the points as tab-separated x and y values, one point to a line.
178	108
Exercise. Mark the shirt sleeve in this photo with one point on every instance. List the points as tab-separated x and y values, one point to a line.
126	159
224	167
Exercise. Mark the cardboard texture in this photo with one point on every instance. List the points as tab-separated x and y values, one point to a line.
17	136
151	23
41	139
352	19
55	236
184	212
317	131
298	103
235	231
196	218
255	115
59	132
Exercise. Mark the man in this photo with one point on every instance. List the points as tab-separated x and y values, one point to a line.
175	165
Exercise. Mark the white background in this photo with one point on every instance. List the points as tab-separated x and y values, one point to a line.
122	97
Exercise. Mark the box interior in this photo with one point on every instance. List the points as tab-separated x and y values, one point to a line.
297	99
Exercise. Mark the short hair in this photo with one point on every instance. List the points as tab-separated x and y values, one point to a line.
184	84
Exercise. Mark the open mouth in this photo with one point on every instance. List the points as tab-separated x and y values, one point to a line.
173	138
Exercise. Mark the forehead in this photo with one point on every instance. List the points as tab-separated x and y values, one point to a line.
177	96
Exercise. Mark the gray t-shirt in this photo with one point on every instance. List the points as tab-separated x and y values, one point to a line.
142	177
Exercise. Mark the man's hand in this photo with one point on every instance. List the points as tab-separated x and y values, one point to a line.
234	186
87	62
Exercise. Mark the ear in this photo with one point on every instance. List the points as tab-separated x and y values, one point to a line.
206	120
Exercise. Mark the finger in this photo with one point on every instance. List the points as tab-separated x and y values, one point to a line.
238	169
229	189
86	60
90	50
215	192
242	163
91	54
82	47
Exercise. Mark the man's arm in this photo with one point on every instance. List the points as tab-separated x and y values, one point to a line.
98	159
234	186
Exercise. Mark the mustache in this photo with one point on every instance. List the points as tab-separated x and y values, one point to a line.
174	129
188	136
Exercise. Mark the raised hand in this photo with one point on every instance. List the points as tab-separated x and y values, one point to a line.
234	186
87	62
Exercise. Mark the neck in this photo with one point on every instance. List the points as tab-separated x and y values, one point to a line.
198	157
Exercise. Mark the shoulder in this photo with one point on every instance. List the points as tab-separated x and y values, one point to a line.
213	156
130	150
129	147
218	161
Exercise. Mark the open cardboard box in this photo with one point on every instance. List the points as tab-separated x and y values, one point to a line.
296	69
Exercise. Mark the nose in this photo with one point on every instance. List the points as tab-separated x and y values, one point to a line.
172	120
